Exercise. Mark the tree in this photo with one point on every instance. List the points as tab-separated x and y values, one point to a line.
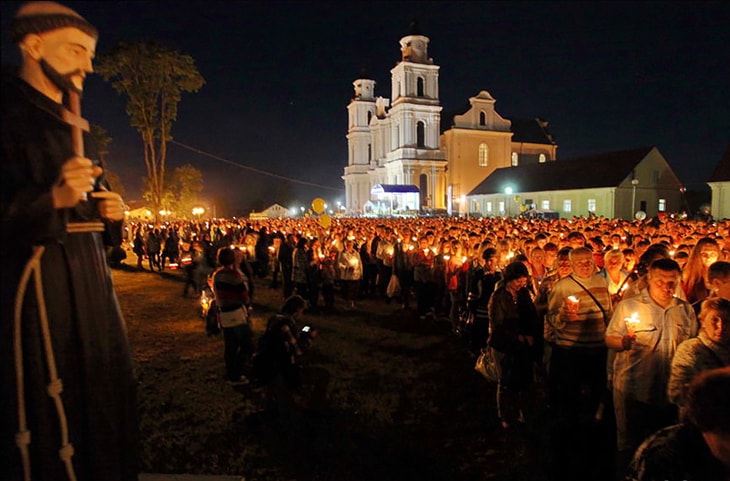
185	186
99	141
152	77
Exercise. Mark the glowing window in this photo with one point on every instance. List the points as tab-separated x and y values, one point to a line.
545	205
515	159
542	158
662	205
489	207
483	155
567	205
591	205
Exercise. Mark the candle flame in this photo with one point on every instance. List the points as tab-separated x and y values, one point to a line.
634	319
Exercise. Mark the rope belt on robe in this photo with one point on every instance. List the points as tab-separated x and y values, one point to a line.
33	268
55	386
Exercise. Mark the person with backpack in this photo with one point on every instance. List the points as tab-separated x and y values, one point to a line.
230	287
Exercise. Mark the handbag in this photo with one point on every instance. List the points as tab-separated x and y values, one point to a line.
233	318
393	289
486	365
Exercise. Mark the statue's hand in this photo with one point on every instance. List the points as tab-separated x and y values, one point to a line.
78	176
111	205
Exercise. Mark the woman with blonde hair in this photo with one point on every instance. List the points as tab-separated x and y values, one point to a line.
694	274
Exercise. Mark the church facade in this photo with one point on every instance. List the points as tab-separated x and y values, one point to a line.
400	162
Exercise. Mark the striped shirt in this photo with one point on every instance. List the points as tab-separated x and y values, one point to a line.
590	328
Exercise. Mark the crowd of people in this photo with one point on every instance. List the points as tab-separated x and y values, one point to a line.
611	319
602	312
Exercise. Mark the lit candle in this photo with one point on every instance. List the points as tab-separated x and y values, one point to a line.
632	323
447	257
573	303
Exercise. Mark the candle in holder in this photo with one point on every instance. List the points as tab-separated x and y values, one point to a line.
632	323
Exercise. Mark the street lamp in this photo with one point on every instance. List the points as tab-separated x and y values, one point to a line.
508	192
198	211
634	183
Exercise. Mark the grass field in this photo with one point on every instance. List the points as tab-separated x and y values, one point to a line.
404	402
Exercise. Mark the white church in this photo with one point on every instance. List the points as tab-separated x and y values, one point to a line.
400	162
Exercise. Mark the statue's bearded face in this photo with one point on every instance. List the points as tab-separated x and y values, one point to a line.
65	57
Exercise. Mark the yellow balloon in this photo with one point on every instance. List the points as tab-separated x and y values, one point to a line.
318	205
325	220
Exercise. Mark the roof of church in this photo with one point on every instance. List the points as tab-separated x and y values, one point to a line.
594	171
532	131
722	171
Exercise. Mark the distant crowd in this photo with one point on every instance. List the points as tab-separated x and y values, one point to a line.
611	320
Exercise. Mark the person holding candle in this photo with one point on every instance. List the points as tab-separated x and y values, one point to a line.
423	261
577	308
455	276
384	254
349	267
645	330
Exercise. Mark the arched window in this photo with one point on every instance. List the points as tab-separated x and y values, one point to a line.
419	87
423	186
482	119
483	155
515	159
420	135
542	158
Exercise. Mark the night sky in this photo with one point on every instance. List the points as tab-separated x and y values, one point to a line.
606	75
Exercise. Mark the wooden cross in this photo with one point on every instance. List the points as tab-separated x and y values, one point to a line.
79	125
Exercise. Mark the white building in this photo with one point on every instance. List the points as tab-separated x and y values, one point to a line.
399	161
397	142
720	184
613	184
